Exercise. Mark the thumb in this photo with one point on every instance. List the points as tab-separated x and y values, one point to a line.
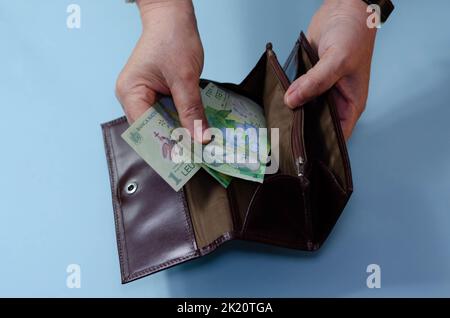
316	81
187	99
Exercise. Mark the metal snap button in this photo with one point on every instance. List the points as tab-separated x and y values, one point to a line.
131	187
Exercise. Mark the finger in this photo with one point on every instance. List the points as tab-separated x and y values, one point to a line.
135	101
316	81
187	99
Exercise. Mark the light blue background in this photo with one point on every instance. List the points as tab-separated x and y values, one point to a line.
57	86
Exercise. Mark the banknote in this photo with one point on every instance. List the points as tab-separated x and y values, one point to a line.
223	179
170	114
236	149
242	149
150	137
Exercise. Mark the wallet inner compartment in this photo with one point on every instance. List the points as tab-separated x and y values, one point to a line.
216	211
278	116
321	135
209	208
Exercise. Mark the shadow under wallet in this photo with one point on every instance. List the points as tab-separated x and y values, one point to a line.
297	207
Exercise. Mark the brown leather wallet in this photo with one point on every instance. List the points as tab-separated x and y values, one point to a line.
297	207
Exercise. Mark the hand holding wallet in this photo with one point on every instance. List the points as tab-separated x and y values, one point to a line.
297	207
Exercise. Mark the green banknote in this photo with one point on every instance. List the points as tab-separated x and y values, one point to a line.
150	136
168	111
242	149
237	149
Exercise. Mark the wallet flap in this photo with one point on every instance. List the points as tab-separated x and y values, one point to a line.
153	226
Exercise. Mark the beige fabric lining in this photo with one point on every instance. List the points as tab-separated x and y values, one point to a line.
278	115
209	207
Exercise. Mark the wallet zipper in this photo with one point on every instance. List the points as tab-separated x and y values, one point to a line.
297	140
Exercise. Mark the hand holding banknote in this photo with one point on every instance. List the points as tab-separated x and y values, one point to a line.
167	60
238	148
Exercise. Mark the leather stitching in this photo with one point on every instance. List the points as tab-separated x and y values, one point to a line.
158	267
188	224
116	204
206	250
281	242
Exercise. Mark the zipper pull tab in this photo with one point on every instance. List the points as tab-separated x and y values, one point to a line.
300	164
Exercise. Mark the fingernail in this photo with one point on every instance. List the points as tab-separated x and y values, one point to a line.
290	98
292	88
